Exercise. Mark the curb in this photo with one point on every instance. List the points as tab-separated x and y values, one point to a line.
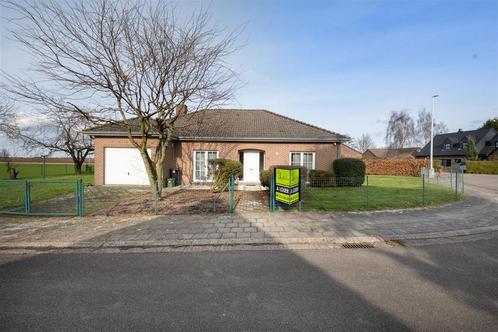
237	243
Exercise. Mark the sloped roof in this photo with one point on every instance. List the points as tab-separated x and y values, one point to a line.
481	136
233	125
383	153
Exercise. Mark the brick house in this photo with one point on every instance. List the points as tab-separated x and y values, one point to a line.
257	138
450	148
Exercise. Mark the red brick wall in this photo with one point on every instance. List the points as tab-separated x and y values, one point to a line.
275	153
181	156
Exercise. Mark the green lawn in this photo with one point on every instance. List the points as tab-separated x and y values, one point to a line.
35	170
56	193
382	192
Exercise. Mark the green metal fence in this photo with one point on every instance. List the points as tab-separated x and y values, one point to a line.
231	194
42	197
373	192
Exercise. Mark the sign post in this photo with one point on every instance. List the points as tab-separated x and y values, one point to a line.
287	184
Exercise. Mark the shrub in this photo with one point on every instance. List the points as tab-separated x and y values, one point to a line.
351	170
482	167
396	167
319	178
316	173
223	169
264	177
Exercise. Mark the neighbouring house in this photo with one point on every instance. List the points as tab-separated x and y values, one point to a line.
349	152
451	148
258	138
390	153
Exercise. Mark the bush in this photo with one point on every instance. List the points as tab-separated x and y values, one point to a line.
319	178
397	167
352	171
264	177
223	169
482	167
316	173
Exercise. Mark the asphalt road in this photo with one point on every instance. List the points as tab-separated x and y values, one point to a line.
435	287
483	185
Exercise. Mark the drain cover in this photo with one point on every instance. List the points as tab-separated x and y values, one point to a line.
360	245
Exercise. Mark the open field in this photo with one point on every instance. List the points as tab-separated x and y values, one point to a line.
35	170
382	192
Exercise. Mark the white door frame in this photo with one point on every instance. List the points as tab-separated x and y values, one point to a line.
246	166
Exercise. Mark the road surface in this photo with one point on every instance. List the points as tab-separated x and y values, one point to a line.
432	287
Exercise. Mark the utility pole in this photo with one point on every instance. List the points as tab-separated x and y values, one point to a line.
431	165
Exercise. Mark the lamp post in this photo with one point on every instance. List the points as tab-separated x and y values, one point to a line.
431	165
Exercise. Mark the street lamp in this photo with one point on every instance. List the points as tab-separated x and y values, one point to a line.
431	165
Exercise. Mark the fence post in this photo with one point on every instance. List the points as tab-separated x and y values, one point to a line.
456	185
272	193
81	199
423	189
368	201
231	189
27	197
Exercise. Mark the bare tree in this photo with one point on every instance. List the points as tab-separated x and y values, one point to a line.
400	131
60	132
423	127
137	60
7	115
364	142
13	172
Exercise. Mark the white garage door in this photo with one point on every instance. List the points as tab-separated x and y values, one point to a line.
124	166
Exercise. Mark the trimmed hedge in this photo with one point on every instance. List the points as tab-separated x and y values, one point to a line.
223	169
482	167
396	167
352	171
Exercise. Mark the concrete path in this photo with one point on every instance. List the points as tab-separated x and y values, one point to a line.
475	215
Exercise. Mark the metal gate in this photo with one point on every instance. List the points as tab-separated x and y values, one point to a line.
42	197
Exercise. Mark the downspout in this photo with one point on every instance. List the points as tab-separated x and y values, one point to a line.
338	150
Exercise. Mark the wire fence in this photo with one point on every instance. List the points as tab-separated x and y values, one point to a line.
41	170
377	192
42	197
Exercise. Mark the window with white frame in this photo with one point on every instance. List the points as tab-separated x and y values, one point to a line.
202	169
305	159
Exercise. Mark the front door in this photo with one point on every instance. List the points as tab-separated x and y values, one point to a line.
251	166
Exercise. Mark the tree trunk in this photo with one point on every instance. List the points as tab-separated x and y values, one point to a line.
152	175
77	167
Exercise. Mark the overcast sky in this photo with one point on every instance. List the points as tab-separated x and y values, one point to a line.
344	65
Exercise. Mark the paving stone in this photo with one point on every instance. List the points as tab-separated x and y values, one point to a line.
228	235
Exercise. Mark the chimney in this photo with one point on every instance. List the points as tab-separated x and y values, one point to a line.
460	130
181	109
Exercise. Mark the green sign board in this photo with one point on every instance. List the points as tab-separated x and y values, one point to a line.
287	185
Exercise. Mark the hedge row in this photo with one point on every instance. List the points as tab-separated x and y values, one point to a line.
398	167
482	167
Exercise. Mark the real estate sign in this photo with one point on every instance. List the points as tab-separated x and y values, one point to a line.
287	185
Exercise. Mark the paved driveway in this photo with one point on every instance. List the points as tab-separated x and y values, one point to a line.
482	185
